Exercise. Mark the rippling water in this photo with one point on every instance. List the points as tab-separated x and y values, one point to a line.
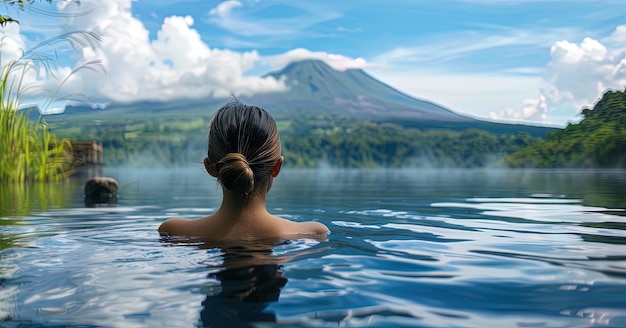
413	248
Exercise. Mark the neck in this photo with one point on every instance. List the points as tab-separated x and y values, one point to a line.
240	207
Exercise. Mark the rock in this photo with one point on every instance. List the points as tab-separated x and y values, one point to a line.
100	190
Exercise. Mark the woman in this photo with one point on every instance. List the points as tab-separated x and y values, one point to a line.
244	156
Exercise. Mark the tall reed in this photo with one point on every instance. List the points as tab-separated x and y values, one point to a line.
28	150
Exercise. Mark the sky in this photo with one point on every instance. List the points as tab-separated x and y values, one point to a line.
533	61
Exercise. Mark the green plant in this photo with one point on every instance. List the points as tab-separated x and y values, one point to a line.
28	150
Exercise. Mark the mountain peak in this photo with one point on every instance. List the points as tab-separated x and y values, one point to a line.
315	78
307	64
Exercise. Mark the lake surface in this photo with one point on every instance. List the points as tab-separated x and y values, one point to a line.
408	248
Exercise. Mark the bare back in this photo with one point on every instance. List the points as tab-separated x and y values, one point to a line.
219	227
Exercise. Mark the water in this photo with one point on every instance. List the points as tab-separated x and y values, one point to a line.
408	248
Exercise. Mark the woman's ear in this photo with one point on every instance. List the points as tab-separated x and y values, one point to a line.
210	169
277	166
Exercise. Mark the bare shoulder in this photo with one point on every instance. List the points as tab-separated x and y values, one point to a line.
313	227
316	227
173	226
300	228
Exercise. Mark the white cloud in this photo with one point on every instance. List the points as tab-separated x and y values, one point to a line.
336	61
254	21
31	79
534	109
224	8
11	43
221	16
576	77
177	64
458	45
619	35
569	53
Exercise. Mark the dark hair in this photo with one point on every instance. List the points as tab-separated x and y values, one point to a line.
243	146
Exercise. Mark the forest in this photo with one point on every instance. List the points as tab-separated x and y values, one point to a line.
310	143
597	141
177	139
307	141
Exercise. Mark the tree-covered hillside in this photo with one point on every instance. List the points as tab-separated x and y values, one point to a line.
599	140
321	141
134	139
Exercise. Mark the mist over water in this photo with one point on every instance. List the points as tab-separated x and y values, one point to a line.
408	248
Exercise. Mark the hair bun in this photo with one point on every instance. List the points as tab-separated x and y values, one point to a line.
235	173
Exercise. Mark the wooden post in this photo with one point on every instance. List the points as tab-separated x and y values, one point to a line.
87	152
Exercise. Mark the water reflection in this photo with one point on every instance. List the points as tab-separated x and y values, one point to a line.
244	280
244	296
18	199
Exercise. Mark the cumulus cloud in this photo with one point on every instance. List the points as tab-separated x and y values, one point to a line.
11	43
619	35
533	109
176	64
336	61
576	77
33	81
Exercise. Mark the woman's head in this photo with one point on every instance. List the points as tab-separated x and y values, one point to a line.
244	147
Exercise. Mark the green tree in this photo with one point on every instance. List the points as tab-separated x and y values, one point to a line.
598	140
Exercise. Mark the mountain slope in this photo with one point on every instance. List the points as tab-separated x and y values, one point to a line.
314	84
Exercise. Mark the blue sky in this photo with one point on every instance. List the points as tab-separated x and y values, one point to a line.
532	61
